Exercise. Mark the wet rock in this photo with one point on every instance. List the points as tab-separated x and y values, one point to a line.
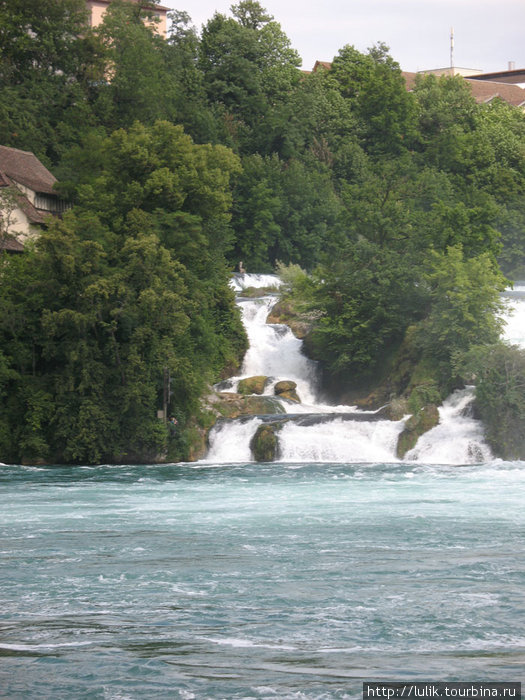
252	385
396	409
422	421
283	386
284	311
264	444
286	390
227	405
291	396
374	400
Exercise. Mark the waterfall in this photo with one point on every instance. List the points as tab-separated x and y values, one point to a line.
274	351
315	432
457	439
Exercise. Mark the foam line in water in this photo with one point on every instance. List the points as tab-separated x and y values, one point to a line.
246	280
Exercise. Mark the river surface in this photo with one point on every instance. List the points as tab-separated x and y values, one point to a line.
258	581
295	580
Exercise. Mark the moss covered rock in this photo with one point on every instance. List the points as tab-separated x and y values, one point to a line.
285	385
291	396
264	444
228	405
284	312
499	372
252	385
196	439
418	424
287	390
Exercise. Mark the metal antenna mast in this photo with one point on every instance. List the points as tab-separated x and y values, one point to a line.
452	48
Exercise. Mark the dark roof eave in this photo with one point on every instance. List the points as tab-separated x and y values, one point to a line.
11	245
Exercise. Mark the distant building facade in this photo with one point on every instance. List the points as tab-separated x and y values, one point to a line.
452	71
27	197
97	9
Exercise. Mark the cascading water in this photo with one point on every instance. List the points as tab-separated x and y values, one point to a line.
314	432
458	439
274	351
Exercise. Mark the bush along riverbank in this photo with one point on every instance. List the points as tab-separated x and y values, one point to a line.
499	374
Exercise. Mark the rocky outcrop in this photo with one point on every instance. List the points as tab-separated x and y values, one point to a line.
287	390
197	442
264	444
422	421
252	385
285	312
228	405
222	405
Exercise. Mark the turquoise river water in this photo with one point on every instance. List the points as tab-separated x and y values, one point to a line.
274	581
295	580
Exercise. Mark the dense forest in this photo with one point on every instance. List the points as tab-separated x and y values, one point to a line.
398	217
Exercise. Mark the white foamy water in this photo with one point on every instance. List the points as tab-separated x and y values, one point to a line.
230	441
514	331
458	439
340	441
245	281
273	350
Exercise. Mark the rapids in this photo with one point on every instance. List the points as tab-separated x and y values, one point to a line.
258	581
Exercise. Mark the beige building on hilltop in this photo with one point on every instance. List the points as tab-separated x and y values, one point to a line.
97	9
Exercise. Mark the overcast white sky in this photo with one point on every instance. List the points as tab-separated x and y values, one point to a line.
487	33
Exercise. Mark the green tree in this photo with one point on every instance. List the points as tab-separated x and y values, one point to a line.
248	65
377	92
465	304
499	372
130	284
365	297
283	211
190	101
139	85
41	37
49	59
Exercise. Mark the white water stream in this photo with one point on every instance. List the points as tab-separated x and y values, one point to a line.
342	434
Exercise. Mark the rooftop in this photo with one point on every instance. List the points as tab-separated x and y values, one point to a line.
25	168
11	245
484	90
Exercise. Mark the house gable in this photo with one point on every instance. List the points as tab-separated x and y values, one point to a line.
27	196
